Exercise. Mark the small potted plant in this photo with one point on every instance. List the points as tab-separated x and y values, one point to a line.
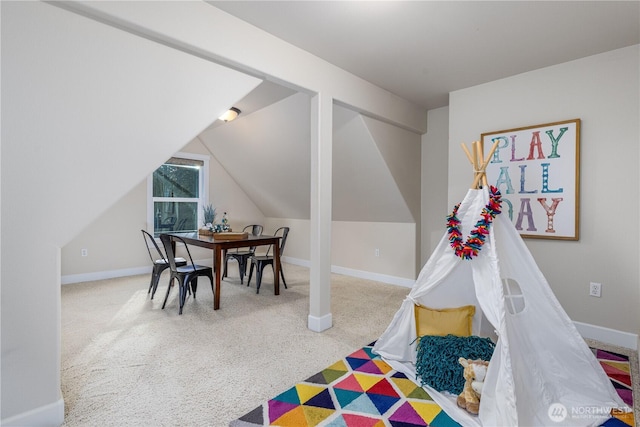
209	217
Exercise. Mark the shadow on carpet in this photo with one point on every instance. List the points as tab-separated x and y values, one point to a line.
362	390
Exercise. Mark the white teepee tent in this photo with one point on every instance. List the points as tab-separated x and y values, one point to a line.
542	373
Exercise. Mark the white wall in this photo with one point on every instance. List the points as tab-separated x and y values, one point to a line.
114	242
433	198
87	112
378	248
374	217
602	91
353	248
93	110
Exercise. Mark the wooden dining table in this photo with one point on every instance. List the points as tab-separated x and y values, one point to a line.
220	246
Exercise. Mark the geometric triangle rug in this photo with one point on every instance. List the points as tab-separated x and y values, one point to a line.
361	390
621	366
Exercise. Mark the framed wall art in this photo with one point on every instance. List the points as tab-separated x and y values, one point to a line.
537	170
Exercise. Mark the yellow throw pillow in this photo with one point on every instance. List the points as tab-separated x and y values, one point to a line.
444	321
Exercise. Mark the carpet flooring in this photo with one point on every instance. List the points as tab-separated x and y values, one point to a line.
361	390
127	362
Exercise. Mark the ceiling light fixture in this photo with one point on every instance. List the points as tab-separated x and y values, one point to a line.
230	115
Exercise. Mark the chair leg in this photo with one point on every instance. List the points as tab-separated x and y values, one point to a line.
242	269
156	272
153	284
284	282
259	277
183	294
156	279
250	274
224	271
166	297
155	287
153	276
194	286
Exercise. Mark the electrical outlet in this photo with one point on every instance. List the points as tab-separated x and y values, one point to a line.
377	252
595	289
84	252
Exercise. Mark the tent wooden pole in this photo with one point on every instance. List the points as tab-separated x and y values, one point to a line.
466	151
484	175
478	162
478	147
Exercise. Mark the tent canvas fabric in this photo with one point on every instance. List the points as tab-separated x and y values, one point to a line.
540	361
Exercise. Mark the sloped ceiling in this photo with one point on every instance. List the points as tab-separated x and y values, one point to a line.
268	154
364	188
401	152
265	94
376	166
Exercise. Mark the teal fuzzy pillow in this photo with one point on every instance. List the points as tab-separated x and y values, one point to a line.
437	359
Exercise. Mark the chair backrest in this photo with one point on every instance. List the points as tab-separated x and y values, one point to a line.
151	243
256	229
285	232
171	257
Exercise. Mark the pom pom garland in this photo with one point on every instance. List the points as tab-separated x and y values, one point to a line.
475	241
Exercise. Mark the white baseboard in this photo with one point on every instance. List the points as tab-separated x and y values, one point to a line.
609	336
297	261
319	324
383	278
47	415
102	275
113	274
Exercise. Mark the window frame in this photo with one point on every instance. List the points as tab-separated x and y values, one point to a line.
203	183
515	302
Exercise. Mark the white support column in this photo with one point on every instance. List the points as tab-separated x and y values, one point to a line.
320	272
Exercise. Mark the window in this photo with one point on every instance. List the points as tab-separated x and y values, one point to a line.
177	193
514	300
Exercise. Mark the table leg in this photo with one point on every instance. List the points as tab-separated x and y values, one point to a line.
276	268
224	257
217	261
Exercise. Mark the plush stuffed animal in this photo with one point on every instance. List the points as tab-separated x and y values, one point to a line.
474	373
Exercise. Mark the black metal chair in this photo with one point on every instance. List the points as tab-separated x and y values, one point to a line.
261	261
187	275
159	261
242	256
